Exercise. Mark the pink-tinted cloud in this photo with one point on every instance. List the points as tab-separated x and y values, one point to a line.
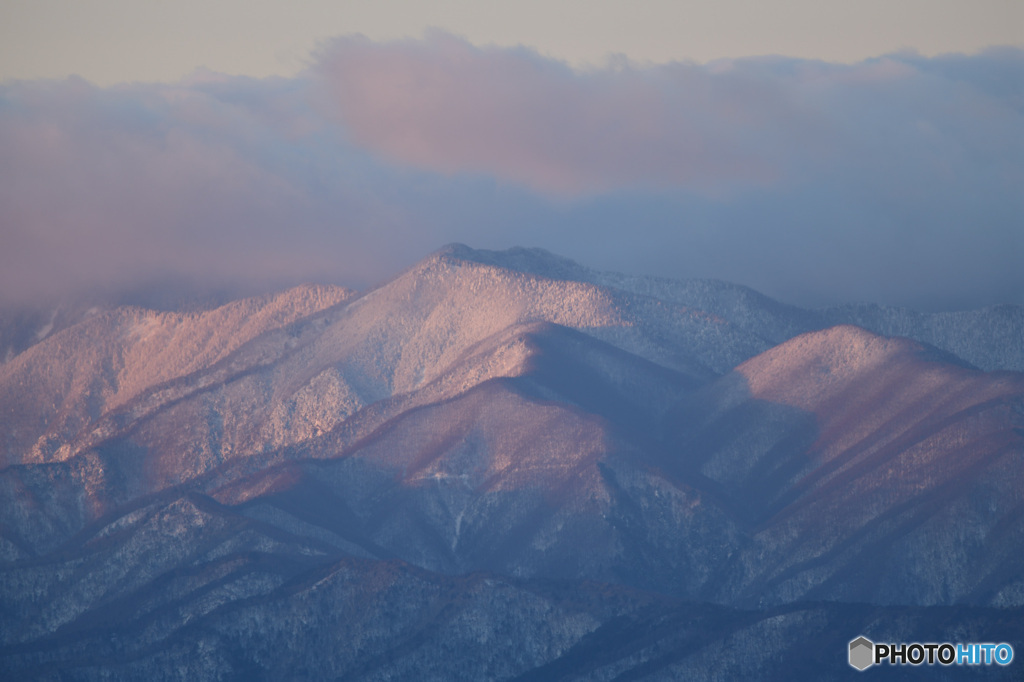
445	105
895	180
211	186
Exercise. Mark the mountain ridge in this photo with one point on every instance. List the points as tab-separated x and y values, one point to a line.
944	330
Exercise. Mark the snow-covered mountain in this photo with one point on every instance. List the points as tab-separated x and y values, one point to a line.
504	465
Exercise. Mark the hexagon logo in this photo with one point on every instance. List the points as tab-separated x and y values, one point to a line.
862	653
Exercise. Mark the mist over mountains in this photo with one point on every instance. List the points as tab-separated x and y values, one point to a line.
504	465
892	180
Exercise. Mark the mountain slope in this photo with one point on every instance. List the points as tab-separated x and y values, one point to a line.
69	380
866	469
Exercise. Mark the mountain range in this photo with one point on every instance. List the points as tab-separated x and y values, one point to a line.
505	465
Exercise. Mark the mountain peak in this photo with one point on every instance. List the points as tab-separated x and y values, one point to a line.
801	370
527	260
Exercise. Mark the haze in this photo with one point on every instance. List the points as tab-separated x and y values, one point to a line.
876	153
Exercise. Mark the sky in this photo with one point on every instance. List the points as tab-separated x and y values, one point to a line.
820	152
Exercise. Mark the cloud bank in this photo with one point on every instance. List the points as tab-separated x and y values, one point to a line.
895	180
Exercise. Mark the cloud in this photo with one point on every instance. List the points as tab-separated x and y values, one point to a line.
894	180
221	183
445	105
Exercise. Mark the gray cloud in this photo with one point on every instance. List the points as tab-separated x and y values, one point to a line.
895	180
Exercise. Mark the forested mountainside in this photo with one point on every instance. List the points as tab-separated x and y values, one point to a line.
503	465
